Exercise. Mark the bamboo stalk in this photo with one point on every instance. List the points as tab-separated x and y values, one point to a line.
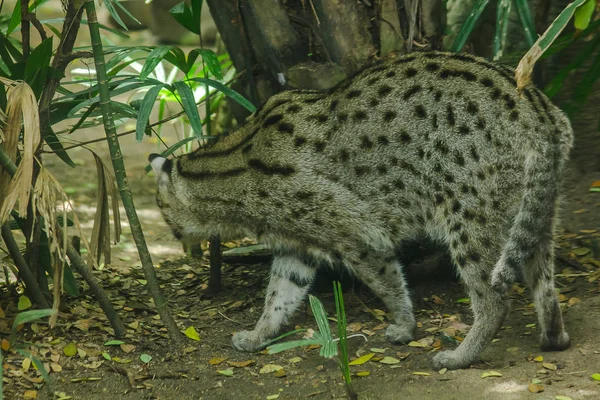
120	172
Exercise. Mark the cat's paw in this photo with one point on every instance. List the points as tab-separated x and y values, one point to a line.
450	359
400	333
248	341
555	342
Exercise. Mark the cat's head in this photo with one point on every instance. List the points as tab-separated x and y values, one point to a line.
168	196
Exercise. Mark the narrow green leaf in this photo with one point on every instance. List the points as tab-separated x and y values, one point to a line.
114	343
145	111
176	56
25	317
38	365
155	56
52	140
232	94
559	24
501	28
15	19
526	21
583	15
320	316
189	106
279	347
468	26
212	62
49	22
554	86
126	12
37	66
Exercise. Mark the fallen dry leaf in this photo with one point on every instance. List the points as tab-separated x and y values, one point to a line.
216	360
362	360
270	368
491	374
240	364
535	388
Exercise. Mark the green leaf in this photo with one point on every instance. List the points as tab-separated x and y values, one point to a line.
25	317
226	372
113	13
232	94
212	62
554	86
38	365
146	358
186	18
583	15
501	28
468	26
279	347
189	106
106	356
146	109
71	286
52	140
114	343
596	377
15	19
38	66
24	303
155	57
526	21
192	334
558	24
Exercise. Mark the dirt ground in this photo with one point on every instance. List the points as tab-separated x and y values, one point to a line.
514	354
519	369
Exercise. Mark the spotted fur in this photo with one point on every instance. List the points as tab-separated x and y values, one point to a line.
429	144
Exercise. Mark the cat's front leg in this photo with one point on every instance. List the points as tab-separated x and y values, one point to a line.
288	286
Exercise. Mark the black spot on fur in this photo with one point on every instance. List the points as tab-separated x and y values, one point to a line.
450	115
421	153
382	140
405	137
320	146
439	199
285	127
382	169
361	170
353	94
389	116
384	90
481	219
441	146
263	194
299	141
459	159
333	105
272	120
468	214
284	170
456	206
449	178
304	195
514	115
344	155
366	143
481	175
394	160
496	93
510	103
464	130
472	108
434	121
321	118
474	153
437	95
293	108
480	123
373	80
420	112
456	227
390	74
432	67
343	117
475	257
247	148
411	92
373	102
360	115
410	72
487	82
464	239
398	184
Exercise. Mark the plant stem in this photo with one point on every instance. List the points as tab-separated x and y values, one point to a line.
24	272
123	184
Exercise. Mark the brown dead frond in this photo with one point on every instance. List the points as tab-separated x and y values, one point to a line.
22	113
100	241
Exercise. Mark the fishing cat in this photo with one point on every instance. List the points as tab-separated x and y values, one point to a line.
429	143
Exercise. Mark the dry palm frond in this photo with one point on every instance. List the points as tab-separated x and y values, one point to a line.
100	241
22	110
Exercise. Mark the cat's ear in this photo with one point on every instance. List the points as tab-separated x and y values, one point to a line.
161	166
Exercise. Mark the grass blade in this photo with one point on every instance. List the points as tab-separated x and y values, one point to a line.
232	94
526	21
468	26
146	110
155	56
189	106
501	28
25	317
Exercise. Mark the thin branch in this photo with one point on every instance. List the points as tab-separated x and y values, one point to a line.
24	272
37	25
